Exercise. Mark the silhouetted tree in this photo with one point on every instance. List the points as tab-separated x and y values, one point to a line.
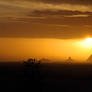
31	61
69	60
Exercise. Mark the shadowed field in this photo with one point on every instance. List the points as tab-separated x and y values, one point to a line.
46	77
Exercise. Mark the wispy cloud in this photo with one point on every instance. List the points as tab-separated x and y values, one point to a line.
18	8
45	18
77	15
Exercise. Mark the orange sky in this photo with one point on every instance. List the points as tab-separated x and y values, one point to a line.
56	49
54	29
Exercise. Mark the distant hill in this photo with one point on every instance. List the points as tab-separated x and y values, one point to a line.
89	59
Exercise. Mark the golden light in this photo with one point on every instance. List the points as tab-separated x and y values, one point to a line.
87	43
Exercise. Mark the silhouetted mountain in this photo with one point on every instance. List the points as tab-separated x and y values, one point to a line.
89	59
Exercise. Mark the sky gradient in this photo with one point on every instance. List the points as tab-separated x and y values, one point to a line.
44	19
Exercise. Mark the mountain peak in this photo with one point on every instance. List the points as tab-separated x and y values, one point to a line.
90	58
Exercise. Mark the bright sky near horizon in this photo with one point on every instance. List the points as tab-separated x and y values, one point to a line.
55	49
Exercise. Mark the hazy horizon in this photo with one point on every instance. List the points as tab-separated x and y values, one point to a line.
17	49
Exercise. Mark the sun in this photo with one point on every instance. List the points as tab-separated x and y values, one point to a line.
86	43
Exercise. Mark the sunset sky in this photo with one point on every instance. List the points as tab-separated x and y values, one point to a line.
54	29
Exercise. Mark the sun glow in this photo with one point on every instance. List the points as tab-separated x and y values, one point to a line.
87	43
18	49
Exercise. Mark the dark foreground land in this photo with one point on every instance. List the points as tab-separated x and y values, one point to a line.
16	77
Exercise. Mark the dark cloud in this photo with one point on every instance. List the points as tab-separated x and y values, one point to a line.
63	17
44	30
58	13
81	2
